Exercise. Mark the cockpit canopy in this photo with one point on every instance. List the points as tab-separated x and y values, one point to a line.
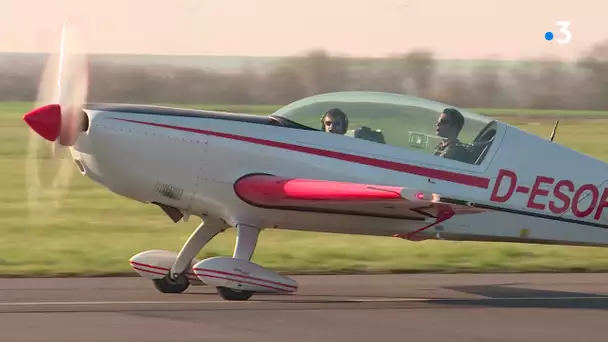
394	119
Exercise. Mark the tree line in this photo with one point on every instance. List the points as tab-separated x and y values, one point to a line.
538	84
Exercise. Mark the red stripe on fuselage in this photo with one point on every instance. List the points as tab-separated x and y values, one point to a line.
261	188
454	177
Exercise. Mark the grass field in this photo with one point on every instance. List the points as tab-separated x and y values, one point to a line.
96	232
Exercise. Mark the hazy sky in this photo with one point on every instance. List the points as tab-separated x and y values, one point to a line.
453	28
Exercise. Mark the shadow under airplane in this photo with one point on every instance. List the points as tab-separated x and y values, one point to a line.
517	297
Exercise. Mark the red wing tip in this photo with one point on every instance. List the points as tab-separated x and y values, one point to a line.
45	120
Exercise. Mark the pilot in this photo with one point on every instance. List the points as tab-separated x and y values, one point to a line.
448	127
334	121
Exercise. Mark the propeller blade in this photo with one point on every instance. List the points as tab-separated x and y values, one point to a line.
55	124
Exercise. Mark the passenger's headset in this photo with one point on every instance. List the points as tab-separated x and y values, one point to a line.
335	113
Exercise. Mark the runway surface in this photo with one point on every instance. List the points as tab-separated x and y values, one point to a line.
489	307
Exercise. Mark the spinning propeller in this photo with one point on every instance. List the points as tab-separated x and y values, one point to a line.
57	118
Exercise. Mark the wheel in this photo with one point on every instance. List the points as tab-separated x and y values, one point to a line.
166	285
230	294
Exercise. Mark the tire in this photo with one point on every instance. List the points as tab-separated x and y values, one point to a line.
230	294
165	285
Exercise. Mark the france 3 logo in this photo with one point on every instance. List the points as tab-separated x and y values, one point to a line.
564	33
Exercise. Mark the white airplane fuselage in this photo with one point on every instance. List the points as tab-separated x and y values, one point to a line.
192	163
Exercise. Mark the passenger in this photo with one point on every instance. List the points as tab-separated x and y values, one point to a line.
334	121
449	125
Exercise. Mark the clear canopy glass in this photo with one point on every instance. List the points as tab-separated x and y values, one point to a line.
395	119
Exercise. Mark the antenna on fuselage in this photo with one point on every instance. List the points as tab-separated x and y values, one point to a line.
554	130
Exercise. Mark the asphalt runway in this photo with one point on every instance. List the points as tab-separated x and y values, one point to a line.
489	307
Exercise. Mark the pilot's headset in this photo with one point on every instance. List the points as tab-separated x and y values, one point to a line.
336	113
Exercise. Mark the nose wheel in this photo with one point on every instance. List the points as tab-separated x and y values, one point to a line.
168	285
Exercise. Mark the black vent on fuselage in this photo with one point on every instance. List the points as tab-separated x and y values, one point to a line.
168	191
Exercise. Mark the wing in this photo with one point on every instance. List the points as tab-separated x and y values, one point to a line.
349	199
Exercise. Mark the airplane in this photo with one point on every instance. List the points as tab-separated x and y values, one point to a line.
283	171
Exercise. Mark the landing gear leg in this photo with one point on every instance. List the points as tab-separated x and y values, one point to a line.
176	281
246	241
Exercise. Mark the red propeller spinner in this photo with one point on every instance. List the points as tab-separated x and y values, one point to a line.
46	121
